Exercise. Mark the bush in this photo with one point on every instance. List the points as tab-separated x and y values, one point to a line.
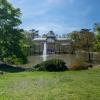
51	65
15	60
80	64
1	73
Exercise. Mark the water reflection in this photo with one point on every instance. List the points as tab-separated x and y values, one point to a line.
68	58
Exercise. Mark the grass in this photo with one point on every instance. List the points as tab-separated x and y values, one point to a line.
69	85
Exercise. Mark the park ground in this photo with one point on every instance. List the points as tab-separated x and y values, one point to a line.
68	85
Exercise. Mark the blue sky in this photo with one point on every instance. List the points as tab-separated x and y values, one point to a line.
61	16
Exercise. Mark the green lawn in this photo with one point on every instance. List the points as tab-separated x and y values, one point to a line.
69	85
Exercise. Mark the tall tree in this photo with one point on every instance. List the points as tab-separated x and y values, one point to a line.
87	41
10	35
83	40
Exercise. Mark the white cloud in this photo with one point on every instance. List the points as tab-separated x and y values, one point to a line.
58	28
18	2
30	9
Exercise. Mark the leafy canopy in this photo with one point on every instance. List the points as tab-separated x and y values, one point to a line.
10	35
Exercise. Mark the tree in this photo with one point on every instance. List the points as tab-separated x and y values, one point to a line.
97	27
10	34
87	41
34	33
97	44
82	40
75	38
28	43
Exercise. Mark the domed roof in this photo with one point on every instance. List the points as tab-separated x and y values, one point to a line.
51	34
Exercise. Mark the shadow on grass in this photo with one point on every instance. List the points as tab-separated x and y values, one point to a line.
10	69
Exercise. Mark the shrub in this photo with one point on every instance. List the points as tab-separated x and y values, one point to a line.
1	73
51	65
15	60
79	64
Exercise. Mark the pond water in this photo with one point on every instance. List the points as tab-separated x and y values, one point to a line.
68	58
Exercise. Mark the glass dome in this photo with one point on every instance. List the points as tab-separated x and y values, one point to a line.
51	34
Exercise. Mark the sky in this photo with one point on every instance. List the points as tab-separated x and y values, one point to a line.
61	16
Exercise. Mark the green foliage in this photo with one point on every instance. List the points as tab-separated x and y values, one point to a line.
51	65
97	43
97	46
28	43
10	35
15	60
